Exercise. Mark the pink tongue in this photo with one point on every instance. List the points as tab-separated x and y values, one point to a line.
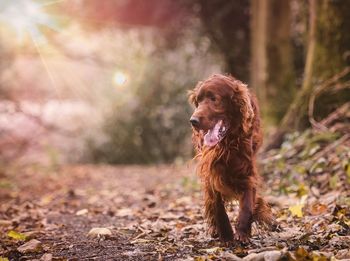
212	137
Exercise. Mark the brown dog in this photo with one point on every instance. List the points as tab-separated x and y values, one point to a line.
227	135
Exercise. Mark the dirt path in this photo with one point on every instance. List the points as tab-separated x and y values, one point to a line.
152	213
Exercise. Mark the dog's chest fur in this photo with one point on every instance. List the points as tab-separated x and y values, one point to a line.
226	172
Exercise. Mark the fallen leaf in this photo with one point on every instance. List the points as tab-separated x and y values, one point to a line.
169	216
16	235
333	182
302	190
214	250
46	200
301	253
318	209
5	223
297	210
124	212
141	241
343	254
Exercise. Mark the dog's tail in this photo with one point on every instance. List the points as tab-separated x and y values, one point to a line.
263	214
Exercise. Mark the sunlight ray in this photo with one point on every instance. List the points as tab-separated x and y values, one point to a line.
53	2
42	58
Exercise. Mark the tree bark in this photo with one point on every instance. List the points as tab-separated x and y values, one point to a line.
272	70
327	55
291	119
227	25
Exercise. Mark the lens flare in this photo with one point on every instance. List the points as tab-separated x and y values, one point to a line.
120	78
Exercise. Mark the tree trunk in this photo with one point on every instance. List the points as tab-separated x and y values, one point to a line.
332	52
327	54
272	70
227	25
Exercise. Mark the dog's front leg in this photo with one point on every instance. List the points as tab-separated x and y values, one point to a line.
245	217
218	221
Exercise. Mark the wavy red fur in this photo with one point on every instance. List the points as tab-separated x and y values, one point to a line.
228	170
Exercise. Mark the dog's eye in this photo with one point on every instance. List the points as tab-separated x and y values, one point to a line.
212	98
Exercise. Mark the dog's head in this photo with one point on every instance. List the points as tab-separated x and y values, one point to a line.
222	104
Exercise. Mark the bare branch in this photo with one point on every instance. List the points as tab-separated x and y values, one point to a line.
331	84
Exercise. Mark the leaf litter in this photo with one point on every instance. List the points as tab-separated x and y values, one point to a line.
90	212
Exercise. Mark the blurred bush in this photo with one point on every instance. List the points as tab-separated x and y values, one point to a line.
150	124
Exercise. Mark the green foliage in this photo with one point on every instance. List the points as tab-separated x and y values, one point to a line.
309	159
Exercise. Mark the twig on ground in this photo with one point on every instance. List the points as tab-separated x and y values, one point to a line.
336	114
327	149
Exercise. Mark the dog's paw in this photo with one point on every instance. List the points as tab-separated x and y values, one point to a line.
242	237
213	232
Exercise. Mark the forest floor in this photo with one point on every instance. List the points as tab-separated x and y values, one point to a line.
98	212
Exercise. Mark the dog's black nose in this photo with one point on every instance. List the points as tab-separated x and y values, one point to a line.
194	121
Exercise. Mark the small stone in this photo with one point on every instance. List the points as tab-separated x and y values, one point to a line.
264	256
230	256
31	246
254	257
99	231
82	212
46	257
272	255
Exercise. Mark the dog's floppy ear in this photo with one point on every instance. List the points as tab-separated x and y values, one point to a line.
192	94
242	99
247	112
